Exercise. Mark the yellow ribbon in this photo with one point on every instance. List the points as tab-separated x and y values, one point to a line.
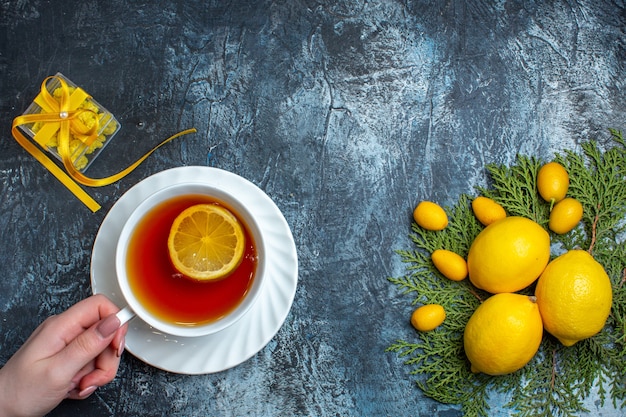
62	115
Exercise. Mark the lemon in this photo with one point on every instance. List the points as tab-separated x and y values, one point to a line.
450	264
206	242
574	295
428	317
552	182
487	211
503	334
565	215
508	255
430	216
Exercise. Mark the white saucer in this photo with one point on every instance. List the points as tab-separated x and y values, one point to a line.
235	344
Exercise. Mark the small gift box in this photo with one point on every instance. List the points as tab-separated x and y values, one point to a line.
66	122
91	126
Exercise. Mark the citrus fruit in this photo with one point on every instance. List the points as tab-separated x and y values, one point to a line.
430	216
574	295
487	211
508	255
503	334
428	317
552	182
565	215
450	264
206	242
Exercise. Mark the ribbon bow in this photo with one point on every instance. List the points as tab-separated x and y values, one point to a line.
61	116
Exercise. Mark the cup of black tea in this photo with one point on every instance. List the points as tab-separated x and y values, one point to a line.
163	296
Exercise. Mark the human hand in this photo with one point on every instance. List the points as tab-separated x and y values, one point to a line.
69	355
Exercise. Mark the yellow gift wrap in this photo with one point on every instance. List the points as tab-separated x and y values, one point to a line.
91	126
68	123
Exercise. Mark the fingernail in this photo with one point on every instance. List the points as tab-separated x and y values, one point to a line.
87	391
120	348
108	326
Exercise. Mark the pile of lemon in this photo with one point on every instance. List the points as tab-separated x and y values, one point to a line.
572	296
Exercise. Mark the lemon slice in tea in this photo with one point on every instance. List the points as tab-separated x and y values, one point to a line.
206	242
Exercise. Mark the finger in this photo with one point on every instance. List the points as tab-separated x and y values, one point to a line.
59	331
79	383
81	374
87	346
75	394
85	314
104	372
103	368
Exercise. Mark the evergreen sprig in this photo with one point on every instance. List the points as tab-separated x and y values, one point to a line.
515	188
558	378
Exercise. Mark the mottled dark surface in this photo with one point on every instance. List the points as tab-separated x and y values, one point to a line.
346	113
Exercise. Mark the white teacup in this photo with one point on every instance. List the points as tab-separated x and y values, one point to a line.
135	306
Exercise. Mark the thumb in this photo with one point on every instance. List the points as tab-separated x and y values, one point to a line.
89	344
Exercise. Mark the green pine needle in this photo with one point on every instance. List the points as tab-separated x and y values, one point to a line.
558	378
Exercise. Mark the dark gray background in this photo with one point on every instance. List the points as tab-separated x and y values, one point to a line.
346	113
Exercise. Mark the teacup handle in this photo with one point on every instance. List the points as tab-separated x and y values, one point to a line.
125	315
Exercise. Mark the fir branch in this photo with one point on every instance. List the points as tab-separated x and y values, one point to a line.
515	189
558	378
598	182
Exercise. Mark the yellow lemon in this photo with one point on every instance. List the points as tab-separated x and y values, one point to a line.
450	264
508	255
574	295
486	210
428	317
565	215
206	242
430	216
503	334
552	182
